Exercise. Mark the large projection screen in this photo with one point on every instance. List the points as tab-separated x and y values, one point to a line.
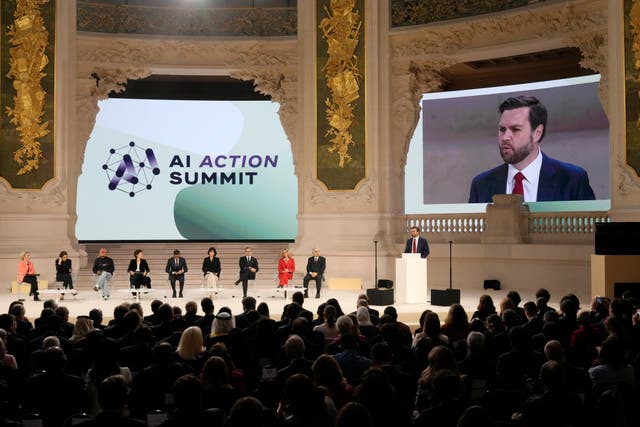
187	170
457	138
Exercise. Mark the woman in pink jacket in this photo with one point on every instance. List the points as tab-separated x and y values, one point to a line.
27	274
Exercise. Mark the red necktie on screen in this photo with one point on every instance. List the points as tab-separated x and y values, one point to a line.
413	250
517	187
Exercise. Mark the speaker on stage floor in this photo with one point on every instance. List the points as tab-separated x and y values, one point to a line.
493	284
380	296
445	297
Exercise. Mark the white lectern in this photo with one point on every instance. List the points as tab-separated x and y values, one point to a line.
411	279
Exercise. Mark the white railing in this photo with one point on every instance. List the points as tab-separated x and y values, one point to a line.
444	227
566	222
543	227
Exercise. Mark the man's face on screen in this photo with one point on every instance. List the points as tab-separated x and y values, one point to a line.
518	143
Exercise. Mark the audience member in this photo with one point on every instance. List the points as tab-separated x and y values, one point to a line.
485	308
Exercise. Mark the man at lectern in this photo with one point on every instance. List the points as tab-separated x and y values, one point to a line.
417	244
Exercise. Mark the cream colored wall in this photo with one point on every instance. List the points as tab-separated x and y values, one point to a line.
401	64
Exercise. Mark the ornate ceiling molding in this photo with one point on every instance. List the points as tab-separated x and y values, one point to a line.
423	76
185	52
627	179
559	20
593	47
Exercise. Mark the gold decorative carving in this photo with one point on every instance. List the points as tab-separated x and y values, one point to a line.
341	30
634	21
27	60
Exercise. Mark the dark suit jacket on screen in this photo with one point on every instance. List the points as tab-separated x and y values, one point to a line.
422	247
558	181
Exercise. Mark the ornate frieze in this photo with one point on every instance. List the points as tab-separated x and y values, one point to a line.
341	201
544	23
188	52
184	19
418	12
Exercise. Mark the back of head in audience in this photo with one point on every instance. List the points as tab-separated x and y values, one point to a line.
206	304
247	411
112	394
294	347
354	414
544	294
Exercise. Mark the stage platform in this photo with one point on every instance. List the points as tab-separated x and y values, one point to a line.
231	296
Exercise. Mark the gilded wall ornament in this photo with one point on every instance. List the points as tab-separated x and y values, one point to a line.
27	60
340	29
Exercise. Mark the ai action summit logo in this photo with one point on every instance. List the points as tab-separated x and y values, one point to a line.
131	169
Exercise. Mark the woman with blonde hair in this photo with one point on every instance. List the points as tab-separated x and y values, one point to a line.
27	274
191	348
286	267
84	325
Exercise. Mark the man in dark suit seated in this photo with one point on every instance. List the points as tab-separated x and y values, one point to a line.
527	170
248	269
316	265
176	267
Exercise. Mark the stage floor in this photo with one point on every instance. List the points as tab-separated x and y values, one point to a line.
231	297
